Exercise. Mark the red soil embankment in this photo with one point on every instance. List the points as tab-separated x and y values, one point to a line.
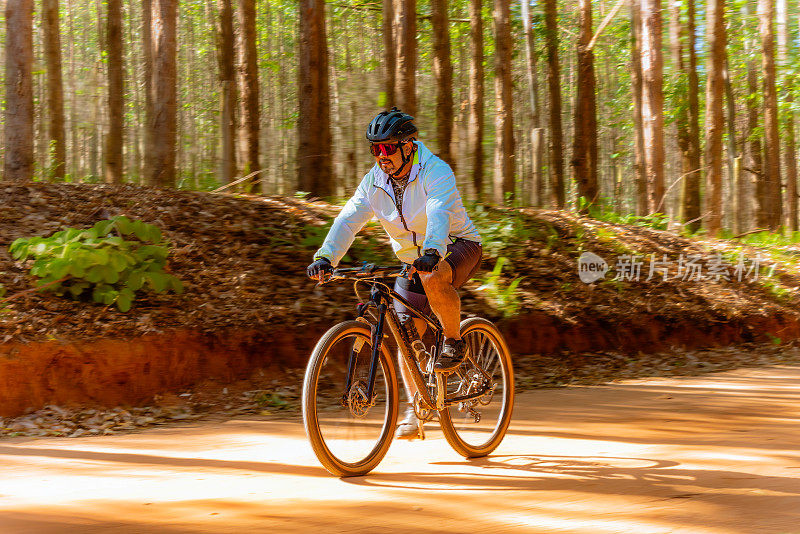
109	372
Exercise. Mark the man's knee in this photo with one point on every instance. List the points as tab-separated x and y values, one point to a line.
440	277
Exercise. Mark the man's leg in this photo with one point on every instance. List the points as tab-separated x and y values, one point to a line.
463	259
443	298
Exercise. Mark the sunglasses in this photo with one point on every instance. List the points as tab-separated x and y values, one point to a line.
386	149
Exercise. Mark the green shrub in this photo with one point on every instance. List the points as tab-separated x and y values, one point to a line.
111	261
505	296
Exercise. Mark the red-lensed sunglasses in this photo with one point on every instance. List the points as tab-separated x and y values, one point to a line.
386	149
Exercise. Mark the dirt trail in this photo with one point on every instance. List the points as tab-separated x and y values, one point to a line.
712	454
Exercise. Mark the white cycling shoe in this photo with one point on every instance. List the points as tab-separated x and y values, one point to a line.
410	427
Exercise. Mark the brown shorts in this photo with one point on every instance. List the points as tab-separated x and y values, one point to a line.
464	257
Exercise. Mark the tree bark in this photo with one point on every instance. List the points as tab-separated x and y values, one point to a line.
18	164
554	92
114	164
690	188
680	95
315	173
504	117
639	170
584	150
250	90
790	158
164	124
771	212
475	127
443	72
653	103
755	164
55	89
389	59
405	13
147	61
715	124
227	78
535	115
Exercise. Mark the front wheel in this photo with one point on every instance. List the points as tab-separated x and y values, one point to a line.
350	433
476	427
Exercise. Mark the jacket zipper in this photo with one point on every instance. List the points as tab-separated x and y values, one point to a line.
403	220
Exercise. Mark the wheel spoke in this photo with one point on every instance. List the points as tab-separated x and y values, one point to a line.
349	438
476	427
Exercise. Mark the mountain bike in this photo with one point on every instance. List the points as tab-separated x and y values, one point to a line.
351	394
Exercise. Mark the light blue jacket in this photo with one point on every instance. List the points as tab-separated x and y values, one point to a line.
433	214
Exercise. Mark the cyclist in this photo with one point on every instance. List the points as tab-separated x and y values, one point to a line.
413	194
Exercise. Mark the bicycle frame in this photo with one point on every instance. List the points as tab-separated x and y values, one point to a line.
382	297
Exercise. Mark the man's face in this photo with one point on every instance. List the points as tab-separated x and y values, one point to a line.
390	163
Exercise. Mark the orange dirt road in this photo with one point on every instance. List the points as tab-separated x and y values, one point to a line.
713	454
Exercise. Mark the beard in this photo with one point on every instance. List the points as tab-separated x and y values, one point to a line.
386	165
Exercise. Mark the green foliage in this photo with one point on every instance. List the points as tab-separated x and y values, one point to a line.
780	292
505	296
657	221
110	261
500	231
365	248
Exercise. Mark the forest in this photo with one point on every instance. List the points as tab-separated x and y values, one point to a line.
628	107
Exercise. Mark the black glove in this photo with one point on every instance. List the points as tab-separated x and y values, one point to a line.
426	263
317	269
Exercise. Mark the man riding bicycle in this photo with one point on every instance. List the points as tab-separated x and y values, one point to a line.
413	194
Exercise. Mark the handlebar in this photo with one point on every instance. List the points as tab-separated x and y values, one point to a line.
366	271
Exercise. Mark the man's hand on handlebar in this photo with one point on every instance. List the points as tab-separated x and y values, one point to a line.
318	269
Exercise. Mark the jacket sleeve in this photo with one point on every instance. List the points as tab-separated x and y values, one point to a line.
443	199
350	220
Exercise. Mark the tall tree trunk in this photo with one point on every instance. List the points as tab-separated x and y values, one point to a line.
443	72
733	178
715	124
227	78
771	204
535	115
690	187
55	89
554	92
639	170
389	59
315	173
114	165
504	118
653	103
584	150
18	164
790	158
164	123
149	114
680	95
250	89
755	163
405	14
475	135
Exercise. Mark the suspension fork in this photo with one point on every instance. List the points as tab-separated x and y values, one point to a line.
351	360
377	338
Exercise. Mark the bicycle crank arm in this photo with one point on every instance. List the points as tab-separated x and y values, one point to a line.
441	389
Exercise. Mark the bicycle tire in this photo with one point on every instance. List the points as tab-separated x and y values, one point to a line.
457	434
325	356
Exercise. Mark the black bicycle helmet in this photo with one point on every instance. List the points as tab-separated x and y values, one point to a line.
392	125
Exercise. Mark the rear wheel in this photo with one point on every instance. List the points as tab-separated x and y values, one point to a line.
476	427
350	434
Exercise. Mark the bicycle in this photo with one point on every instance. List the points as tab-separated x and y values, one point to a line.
351	392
